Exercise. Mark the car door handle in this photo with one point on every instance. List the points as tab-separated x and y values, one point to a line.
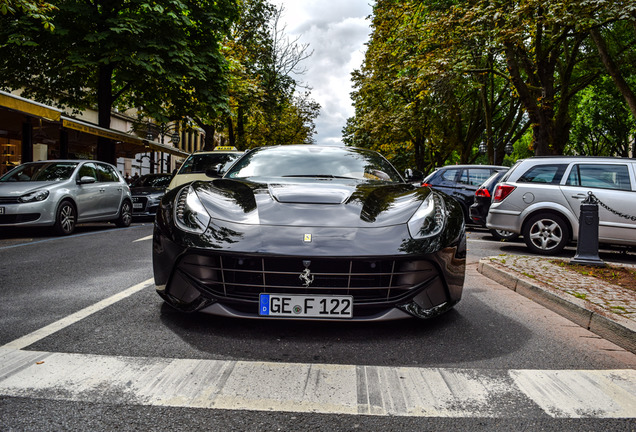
579	196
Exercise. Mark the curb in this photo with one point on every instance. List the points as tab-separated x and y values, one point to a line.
611	327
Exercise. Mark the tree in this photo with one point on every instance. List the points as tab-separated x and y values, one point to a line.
265	108
426	97
160	56
602	123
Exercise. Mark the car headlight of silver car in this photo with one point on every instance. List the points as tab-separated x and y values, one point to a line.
39	195
189	213
429	219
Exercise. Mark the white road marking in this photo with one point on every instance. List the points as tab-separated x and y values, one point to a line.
48	330
319	388
143	238
295	387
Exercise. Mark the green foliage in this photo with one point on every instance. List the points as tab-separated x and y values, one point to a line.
162	55
265	108
442	77
603	125
37	10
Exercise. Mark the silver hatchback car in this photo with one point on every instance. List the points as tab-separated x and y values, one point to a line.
62	193
541	197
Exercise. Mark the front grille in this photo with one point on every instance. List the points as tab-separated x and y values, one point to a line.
369	281
9	200
18	218
139	200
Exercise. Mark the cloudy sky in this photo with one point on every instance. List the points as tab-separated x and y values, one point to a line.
336	31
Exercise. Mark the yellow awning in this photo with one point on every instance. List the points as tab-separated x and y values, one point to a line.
17	103
120	136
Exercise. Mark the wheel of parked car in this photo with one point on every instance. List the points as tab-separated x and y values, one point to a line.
65	218
125	215
546	234
502	235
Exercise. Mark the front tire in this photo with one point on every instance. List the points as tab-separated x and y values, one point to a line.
546	234
501	235
65	218
125	215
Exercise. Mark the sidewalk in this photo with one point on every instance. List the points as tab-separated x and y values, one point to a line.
601	307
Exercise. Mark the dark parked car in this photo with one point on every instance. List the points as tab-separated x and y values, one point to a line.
147	191
63	193
483	198
304	231
461	182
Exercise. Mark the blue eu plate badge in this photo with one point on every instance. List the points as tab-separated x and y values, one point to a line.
264	304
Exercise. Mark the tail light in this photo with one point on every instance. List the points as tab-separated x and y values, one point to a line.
427	184
482	193
502	191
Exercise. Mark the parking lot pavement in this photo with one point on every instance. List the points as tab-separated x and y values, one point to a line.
605	309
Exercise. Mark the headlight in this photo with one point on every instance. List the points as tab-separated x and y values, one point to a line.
429	219
189	213
39	195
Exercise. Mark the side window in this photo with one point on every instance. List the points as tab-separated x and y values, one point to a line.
449	175
463	178
476	176
88	170
106	173
549	174
600	176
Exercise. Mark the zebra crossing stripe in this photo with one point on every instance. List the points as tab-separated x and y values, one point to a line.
319	388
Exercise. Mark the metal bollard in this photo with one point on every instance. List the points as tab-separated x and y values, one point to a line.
587	246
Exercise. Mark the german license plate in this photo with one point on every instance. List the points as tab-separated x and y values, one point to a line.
1	210
299	306
138	205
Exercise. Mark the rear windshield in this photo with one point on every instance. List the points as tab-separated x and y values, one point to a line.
44	171
199	163
548	174
152	181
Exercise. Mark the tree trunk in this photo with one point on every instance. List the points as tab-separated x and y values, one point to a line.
230	131
541	116
613	71
240	127
105	147
208	143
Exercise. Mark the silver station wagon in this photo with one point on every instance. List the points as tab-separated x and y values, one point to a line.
541	197
62	193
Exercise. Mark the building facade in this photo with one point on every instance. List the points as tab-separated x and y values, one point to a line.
31	131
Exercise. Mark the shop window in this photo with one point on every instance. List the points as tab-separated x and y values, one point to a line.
10	154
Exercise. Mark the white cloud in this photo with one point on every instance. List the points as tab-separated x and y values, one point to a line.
336	31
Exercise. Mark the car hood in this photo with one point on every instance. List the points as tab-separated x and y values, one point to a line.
16	189
326	203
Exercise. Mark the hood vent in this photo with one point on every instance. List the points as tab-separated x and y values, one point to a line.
310	193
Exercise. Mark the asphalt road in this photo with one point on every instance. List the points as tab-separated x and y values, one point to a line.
493	333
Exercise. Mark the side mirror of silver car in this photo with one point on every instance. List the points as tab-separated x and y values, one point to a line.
86	180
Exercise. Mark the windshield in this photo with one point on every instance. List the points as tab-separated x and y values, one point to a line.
41	171
152	180
312	161
200	162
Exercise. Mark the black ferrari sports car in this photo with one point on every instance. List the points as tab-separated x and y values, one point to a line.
310	232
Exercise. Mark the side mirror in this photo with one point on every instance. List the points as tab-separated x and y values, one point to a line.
86	180
413	176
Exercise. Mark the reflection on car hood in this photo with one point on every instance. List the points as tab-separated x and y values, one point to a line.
147	190
16	189
322	203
